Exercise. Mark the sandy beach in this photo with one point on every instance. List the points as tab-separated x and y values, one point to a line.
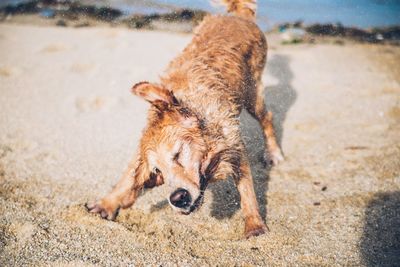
69	126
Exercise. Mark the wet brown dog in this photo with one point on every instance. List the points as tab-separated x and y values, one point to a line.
193	136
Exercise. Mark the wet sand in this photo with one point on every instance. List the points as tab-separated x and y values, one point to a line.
68	127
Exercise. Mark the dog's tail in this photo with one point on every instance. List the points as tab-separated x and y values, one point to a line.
241	8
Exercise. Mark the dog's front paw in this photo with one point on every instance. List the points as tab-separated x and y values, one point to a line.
255	232
254	228
107	209
276	157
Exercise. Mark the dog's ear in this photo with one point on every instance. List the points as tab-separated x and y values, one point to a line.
158	96
210	164
219	163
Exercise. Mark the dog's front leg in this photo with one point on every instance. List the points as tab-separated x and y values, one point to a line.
123	194
254	225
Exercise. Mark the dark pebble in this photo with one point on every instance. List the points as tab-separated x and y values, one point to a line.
61	23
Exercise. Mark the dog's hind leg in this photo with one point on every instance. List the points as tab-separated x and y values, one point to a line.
253	223
256	107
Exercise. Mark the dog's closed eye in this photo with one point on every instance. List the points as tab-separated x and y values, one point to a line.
176	158
177	155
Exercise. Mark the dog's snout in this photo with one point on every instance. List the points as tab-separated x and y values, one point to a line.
180	198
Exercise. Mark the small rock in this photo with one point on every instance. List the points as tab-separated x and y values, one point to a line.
61	23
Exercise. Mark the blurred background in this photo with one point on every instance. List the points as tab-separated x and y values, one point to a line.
360	13
368	20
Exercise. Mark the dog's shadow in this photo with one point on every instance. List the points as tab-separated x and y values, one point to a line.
279	98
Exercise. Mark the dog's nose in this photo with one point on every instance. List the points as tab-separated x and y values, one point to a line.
180	198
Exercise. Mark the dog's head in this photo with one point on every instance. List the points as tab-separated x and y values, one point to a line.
173	149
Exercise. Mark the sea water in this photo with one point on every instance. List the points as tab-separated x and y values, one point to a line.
359	13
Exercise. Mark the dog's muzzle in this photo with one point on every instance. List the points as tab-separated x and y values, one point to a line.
199	200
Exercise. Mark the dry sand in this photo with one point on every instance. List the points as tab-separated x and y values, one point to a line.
68	126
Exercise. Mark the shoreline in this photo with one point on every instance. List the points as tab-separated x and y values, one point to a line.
77	15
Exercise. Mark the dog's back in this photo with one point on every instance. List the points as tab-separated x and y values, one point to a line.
225	57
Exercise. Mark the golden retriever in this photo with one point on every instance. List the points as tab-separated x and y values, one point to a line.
192	137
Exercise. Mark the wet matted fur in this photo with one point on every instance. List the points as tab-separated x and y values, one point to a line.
192	136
